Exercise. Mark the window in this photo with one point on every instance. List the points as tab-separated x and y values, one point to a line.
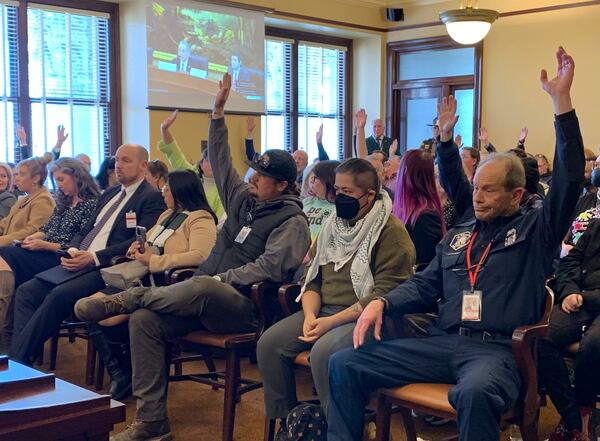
9	82
306	86
68	79
426	71
277	123
69	82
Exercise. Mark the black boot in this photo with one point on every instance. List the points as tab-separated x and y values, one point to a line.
110	354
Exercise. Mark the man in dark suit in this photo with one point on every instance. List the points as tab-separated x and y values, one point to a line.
378	141
240	75
41	305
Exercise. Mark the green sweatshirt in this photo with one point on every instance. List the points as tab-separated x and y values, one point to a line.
178	161
392	261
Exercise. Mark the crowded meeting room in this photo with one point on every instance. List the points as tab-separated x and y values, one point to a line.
189	188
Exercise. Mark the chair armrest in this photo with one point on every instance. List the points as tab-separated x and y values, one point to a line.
119	259
176	275
524	348
287	298
264	296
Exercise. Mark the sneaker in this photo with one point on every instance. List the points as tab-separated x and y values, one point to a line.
145	431
95	309
436	421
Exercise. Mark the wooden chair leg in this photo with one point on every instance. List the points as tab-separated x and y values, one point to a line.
53	351
232	380
382	421
408	424
269	429
72	334
530	432
90	363
100	375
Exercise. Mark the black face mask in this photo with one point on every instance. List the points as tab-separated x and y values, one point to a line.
596	177
346	206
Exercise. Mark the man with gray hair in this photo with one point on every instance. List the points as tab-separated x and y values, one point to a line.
486	279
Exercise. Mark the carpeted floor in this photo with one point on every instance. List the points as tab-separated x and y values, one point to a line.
195	411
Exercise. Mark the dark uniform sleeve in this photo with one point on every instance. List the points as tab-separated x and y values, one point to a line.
453	178
567	180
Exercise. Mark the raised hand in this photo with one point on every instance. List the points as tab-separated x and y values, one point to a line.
250	126
360	119
320	135
447	117
61	135
165	125
393	148
483	135
21	135
523	134
458	140
559	87
222	94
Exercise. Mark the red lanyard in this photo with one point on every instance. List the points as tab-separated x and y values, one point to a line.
473	273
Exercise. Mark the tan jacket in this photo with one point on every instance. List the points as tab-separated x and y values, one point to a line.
189	245
26	216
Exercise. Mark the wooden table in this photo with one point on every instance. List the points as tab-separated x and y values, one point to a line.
40	407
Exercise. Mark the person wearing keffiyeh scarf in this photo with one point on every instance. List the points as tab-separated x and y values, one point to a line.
361	252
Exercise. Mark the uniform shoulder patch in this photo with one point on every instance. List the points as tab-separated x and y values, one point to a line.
511	237
460	240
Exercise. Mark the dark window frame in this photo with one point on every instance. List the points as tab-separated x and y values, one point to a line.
395	86
297	37
114	108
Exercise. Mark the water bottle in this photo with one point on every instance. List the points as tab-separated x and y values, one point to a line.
514	433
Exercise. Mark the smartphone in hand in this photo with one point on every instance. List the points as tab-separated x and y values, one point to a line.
140	237
63	253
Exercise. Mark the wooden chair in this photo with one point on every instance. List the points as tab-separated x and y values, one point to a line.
432	399
234	346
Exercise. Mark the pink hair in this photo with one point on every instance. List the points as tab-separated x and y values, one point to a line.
416	192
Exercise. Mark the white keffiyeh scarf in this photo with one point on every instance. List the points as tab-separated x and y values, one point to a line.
338	242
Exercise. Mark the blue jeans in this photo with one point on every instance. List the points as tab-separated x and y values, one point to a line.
486	376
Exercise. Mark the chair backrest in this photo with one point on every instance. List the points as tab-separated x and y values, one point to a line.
265	298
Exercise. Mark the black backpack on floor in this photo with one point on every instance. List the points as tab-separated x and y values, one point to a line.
306	422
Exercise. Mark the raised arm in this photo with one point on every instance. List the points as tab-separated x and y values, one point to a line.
452	177
168	145
228	181
249	141
361	140
569	163
323	156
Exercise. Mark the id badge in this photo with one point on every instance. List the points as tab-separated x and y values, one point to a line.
471	306
131	219
243	234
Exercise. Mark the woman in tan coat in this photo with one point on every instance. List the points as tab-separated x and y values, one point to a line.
183	236
29	213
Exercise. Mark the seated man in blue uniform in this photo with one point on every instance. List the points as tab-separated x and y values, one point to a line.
488	276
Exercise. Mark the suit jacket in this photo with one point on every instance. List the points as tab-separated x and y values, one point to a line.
373	145
26	216
146	202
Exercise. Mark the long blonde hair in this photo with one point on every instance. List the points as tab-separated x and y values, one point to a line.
9	173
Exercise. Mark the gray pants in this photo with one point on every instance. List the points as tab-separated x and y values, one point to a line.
165	313
277	349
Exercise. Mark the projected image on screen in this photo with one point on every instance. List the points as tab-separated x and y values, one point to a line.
191	45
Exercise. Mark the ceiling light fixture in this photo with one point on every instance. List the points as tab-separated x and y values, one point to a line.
468	25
